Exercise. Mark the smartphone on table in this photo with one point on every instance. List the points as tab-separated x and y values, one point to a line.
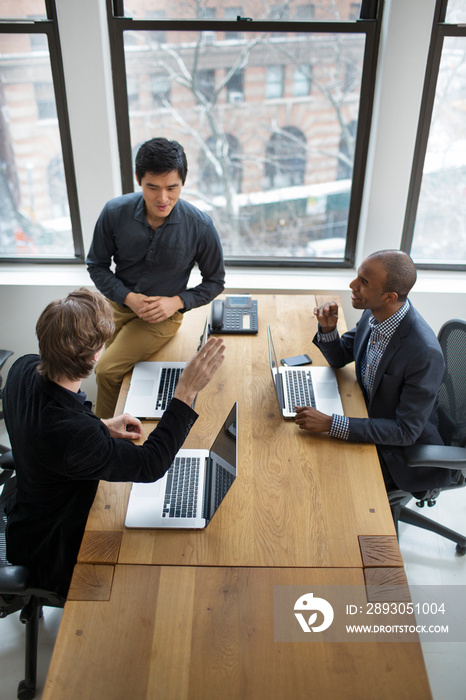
296	361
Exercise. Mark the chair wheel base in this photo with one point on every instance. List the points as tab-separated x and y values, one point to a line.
26	691
461	550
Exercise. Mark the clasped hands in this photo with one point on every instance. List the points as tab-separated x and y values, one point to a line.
153	309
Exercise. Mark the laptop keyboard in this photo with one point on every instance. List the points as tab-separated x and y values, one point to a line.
182	488
168	381
299	389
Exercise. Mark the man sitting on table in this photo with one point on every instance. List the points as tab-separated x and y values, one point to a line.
61	449
399	367
155	238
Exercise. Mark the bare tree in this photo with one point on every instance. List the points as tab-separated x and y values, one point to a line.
328	64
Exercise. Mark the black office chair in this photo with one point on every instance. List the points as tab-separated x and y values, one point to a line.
17	592
452	427
4	355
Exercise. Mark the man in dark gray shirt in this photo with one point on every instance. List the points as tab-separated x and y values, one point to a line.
154	239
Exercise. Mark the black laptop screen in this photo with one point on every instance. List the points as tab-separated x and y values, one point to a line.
222	464
276	378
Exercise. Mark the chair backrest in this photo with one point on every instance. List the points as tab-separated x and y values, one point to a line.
7	487
4	355
452	393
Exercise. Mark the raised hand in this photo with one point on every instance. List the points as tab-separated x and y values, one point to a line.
327	316
200	370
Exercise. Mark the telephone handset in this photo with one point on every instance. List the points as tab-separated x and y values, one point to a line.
235	314
217	314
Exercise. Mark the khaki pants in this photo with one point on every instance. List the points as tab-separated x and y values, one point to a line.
134	340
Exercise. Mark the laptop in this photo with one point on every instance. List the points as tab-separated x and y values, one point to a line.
303	386
153	384
190	493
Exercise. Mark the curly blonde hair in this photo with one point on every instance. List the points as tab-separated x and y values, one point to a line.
70	332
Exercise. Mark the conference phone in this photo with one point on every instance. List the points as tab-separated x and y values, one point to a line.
235	315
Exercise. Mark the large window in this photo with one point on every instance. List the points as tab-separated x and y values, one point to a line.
271	109
435	226
35	186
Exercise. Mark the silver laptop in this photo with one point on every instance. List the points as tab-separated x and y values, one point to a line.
153	384
192	490
304	386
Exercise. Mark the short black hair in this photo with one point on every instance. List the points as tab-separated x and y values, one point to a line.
159	155
400	269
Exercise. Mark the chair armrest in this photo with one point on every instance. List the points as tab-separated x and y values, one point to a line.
13	580
4	355
440	456
7	462
7	467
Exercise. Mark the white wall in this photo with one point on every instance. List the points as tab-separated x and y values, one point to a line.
20	309
405	39
25	291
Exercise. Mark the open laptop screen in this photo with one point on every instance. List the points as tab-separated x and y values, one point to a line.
222	464
274	369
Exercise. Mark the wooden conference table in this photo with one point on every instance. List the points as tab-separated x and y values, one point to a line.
190	614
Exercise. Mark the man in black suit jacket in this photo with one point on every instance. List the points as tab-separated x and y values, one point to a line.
61	449
399	367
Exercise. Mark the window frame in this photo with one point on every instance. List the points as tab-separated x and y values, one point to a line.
369	24
49	27
440	31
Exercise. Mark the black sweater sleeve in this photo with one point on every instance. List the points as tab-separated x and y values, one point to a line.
93	454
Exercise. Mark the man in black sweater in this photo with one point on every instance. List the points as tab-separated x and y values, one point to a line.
62	449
